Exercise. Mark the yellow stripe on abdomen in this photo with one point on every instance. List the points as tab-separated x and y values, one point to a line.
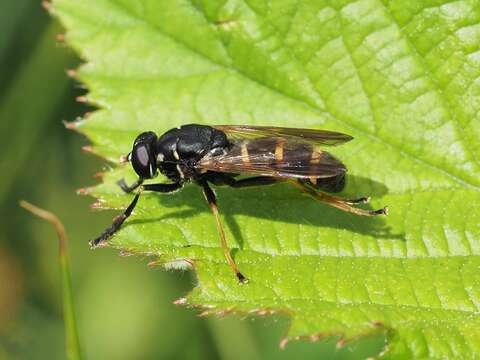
279	150
244	152
315	160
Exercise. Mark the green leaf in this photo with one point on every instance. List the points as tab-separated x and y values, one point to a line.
401	76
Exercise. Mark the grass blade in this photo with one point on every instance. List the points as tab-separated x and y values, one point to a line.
72	343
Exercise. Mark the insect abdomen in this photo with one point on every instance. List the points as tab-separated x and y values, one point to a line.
331	184
291	155
277	150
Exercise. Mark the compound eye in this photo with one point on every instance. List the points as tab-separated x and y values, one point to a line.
141	155
142	163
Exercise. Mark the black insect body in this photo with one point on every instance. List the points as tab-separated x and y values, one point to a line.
218	154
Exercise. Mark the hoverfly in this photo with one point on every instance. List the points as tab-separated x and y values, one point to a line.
218	154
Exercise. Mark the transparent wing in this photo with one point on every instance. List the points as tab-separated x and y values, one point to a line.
276	157
311	136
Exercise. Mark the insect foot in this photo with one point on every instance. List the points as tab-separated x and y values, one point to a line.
383	211
241	278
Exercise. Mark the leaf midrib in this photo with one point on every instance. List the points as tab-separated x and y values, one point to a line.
371	136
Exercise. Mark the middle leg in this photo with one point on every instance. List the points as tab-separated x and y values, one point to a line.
256	181
212	202
226	179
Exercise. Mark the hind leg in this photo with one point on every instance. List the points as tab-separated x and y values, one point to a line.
334	184
338	202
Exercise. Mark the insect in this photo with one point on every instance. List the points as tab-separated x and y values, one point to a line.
217	155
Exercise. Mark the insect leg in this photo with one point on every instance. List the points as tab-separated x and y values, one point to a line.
225	179
362	200
339	203
119	220
256	181
117	223
163	188
212	202
128	189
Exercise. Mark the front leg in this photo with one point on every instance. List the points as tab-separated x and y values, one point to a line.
128	189
119	220
163	188
117	223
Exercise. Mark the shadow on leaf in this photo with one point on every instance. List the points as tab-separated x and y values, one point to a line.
281	203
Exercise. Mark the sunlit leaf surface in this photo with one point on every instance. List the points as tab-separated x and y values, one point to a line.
401	76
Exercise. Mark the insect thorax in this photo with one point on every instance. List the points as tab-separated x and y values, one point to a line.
180	149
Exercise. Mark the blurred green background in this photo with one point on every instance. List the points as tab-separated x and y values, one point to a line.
124	308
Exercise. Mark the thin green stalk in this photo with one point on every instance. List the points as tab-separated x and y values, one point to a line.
72	343
227	334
